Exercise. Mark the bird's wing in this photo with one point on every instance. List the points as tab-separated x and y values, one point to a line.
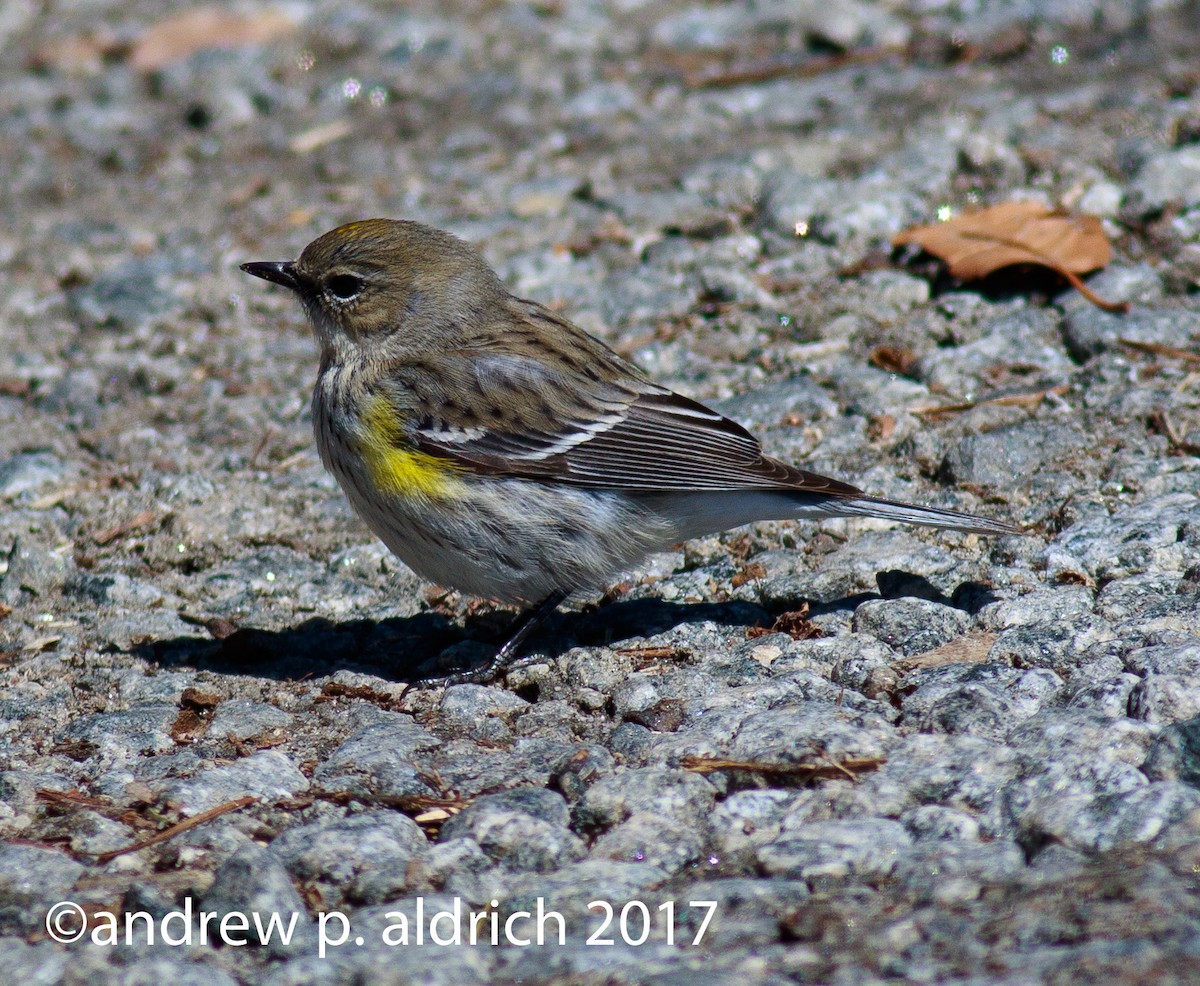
604	431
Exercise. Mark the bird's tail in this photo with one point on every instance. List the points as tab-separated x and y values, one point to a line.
909	513
696	514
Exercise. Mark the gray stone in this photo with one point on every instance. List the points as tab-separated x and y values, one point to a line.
1061	646
864	848
345	856
1138	595
43	962
1168	178
1176	659
1101	824
164	967
574	886
665	843
121	735
465	706
268	775
1175	755
910	626
582	770
1094	737
1089	331
375	760
30	472
384	958
940	823
19	788
134	293
243	719
31	881
957	872
453	859
983	459
113	590
1165	698
1128	543
34	569
1059	604
1108	696
747	819
1028	337
521	830
748	911
668	793
978	699
252	882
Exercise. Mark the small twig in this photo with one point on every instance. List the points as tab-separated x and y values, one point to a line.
1033	398
1162	423
267	435
146	518
796	65
179	827
1160	349
75	799
851	766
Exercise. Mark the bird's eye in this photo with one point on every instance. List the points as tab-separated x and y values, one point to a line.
344	287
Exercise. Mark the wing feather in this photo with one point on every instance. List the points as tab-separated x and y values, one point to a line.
625	434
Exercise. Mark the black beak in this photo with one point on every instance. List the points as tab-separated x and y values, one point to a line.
279	271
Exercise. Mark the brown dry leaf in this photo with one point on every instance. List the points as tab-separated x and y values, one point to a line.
881	428
894	359
185	33
750	573
216	626
196	709
795	624
971	648
980	243
188	726
201	701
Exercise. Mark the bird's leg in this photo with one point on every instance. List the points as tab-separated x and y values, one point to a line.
524	626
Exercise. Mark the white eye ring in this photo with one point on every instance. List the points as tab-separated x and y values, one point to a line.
344	287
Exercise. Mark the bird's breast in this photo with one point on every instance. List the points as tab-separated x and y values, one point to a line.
363	442
395	467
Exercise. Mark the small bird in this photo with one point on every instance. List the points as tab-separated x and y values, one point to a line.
500	450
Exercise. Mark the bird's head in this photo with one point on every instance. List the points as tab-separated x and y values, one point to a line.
386	281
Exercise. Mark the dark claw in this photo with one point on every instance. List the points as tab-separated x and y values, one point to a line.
525	625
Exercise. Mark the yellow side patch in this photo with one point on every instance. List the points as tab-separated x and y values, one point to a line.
395	469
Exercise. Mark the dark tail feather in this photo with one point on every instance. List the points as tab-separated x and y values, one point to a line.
908	513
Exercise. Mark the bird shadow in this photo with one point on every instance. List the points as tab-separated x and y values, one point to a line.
411	648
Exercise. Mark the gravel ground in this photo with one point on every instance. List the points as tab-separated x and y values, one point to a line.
968	760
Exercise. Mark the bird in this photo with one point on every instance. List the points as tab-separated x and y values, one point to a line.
500	450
